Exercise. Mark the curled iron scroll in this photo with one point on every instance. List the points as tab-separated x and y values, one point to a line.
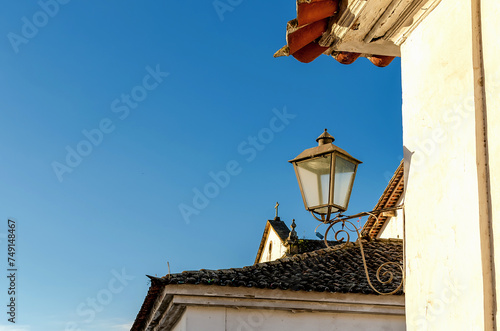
348	226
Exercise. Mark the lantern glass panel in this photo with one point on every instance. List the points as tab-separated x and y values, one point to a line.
344	176
314	177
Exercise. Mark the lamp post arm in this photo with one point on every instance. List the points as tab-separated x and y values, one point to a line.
344	232
369	213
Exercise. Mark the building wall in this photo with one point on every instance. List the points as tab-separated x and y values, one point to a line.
444	284
278	249
393	227
199	318
222	319
181	324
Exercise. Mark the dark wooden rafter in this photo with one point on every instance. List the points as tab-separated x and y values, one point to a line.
390	202
389	198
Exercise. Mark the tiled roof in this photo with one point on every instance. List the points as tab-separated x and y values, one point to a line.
389	198
310	34
310	245
141	319
338	269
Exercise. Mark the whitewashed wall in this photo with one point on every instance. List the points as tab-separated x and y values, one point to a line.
278	249
230	319
444	285
393	227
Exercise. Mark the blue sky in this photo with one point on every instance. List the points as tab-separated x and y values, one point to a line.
206	87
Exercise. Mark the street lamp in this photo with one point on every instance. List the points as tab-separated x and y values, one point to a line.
325	174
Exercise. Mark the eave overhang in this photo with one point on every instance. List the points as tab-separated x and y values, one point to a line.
171	302
348	29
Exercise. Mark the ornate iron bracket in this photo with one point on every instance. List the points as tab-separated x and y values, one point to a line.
343	234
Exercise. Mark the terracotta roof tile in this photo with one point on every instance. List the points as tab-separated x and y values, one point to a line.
309	52
303	33
299	36
346	57
381	60
315	10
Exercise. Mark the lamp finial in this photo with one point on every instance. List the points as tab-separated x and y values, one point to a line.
325	138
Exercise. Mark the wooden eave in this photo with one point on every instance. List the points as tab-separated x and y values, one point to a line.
392	194
171	307
374	29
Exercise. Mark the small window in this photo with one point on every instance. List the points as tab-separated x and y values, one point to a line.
270	251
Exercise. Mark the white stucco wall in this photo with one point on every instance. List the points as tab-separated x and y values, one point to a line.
393	227
182	324
200	318
278	249
444	289
230	319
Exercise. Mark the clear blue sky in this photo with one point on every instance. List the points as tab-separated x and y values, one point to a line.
92	229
